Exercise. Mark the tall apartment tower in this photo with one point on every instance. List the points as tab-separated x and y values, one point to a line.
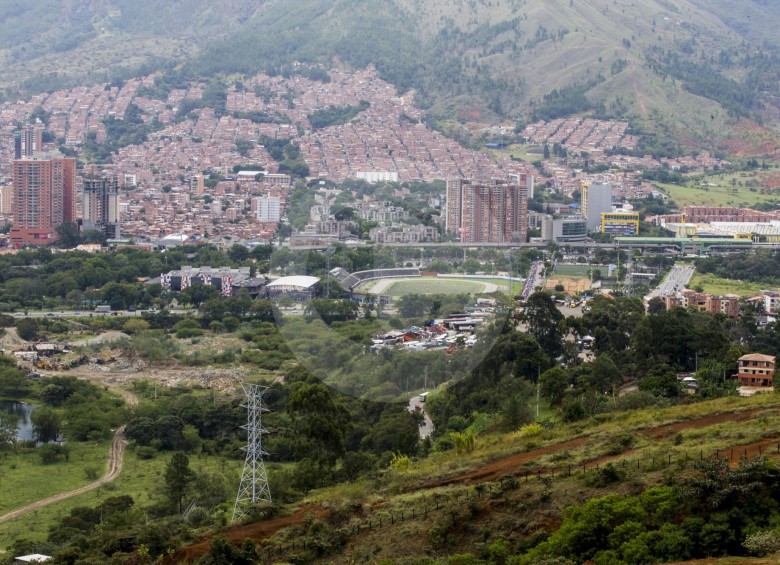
27	141
101	204
268	208
6	199
492	211
44	193
197	185
596	200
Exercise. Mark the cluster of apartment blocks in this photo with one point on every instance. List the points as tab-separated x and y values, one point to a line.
489	211
394	144
728	305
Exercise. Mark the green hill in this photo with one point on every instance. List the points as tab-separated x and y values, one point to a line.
688	66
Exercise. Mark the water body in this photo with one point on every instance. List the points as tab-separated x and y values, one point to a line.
22	412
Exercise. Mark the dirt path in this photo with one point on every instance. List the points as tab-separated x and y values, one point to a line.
257	531
116	454
11	340
507	466
114	468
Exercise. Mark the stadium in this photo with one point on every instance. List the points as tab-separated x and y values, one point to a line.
393	283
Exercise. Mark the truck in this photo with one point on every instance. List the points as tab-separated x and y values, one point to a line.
103	309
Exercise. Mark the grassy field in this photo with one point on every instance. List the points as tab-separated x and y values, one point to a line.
734	189
715	285
25	479
528	153
580	270
141	479
433	285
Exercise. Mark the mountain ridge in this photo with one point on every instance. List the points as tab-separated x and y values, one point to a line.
691	68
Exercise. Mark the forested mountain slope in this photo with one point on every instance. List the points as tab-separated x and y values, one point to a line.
691	66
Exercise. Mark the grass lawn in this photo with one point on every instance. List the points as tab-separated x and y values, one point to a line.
715	285
721	190
141	479
24	479
528	153
433	285
580	270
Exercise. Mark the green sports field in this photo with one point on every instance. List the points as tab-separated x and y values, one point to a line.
580	270
432	285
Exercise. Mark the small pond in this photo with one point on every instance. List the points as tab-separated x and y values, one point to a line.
22	412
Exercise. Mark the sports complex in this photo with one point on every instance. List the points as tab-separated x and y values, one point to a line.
393	283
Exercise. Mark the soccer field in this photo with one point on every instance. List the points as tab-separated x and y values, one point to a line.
429	285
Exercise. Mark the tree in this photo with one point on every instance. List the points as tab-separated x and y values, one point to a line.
68	235
198	294
603	375
321	423
656	305
542	319
553	384
411	305
46	424
661	381
331	310
8	430
135	325
178	477
714	382
27	328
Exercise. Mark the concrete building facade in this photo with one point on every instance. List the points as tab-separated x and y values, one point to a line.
269	208
101	205
564	230
596	200
493	211
44	192
756	370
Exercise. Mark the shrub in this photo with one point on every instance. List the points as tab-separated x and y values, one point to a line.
91	473
763	543
145	452
531	430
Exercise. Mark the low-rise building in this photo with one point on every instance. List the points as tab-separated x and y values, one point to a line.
620	223
756	369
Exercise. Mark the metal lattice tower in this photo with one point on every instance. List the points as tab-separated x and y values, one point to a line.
254	479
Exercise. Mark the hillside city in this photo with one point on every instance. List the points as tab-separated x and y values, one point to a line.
387	303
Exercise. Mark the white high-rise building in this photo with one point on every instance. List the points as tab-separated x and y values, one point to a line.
269	208
596	200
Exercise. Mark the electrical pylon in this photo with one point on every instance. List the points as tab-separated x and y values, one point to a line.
254	479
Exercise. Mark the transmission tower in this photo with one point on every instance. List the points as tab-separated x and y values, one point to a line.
254	479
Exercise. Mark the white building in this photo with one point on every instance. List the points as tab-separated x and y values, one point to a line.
596	200
378	176
269	208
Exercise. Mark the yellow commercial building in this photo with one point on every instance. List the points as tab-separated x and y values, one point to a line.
620	223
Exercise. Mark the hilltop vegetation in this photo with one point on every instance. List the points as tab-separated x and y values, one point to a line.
689	67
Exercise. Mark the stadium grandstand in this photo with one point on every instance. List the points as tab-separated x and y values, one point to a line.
348	281
298	287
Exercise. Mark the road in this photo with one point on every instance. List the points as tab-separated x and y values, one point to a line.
427	427
675	281
90	313
115	458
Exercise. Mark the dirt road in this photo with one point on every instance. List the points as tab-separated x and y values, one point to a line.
114	459
511	465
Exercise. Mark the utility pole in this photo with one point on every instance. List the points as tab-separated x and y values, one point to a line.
328	254
254	479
